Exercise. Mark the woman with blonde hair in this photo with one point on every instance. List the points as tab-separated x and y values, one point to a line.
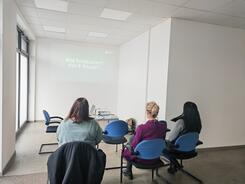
151	129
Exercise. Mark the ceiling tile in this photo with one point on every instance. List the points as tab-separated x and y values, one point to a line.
187	13
99	22
206	4
36	27
173	2
33	20
48	22
53	15
84	9
145	20
235	8
221	19
124	5
149	8
99	3
83	17
55	35
29	3
28	11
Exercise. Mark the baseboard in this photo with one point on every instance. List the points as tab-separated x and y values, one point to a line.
36	121
221	148
10	162
21	130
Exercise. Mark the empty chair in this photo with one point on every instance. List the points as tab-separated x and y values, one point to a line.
75	163
52	124
114	134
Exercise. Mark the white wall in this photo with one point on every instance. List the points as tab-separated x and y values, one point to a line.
32	81
24	26
158	65
132	78
68	70
1	83
143	72
207	66
8	80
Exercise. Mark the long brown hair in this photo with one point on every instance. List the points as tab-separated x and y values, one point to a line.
79	111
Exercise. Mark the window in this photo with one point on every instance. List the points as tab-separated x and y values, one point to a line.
22	79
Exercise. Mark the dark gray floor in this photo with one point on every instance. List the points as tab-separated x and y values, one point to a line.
213	167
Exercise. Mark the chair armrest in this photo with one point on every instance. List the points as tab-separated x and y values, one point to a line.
135	153
170	145
54	122
199	142
56	117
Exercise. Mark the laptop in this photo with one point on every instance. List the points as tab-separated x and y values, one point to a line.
92	110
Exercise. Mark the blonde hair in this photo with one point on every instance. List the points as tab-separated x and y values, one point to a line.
152	108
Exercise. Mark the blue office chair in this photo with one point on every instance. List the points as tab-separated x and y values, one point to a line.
50	128
183	148
114	133
149	150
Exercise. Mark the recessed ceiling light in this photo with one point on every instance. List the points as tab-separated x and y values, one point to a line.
54	29
115	14
96	34
56	5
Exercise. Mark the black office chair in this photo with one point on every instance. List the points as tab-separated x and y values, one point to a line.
76	163
49	120
184	148
148	150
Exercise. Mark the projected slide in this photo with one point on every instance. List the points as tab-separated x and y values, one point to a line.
75	63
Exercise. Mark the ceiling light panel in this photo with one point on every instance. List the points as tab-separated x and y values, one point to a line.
56	5
54	29
115	14
97	34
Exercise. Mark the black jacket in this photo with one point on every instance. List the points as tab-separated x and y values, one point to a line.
76	163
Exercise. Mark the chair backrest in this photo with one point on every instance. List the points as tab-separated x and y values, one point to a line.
46	117
187	142
76	162
150	149
117	128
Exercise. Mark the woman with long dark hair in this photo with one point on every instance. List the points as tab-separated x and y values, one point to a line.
78	126
188	121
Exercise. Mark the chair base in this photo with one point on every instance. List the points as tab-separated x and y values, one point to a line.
192	176
148	167
180	167
110	168
46	152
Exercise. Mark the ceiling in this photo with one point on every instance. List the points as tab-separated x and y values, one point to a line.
83	16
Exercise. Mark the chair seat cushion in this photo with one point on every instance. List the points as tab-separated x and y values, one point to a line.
148	166
113	140
184	155
51	129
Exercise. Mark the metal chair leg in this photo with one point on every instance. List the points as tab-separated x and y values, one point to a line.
157	172
192	176
121	168
152	174
118	167
46	152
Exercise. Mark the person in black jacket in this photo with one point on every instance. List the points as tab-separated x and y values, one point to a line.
76	163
